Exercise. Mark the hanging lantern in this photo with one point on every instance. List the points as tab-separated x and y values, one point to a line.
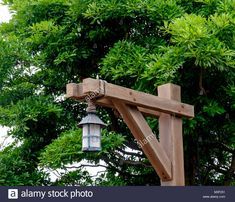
91	129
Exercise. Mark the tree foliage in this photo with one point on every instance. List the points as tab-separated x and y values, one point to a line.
135	43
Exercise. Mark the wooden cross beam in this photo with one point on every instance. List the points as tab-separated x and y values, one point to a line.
165	155
151	103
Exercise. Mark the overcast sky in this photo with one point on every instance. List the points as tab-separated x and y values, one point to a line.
4	13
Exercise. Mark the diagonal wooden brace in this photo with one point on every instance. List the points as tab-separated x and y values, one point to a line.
141	131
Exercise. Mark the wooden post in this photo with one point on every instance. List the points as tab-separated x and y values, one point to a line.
170	129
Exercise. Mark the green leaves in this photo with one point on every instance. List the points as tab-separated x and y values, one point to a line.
188	29
226	6
42	32
201	39
76	177
156	10
163	67
213	108
231	93
11	95
64	150
28	112
67	149
125	59
223	26
17	169
111	141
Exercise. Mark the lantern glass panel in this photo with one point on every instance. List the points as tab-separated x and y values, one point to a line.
85	139
95	135
94	130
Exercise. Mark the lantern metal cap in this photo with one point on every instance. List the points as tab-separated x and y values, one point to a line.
92	118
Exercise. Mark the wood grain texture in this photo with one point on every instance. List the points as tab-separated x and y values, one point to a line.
141	131
151	104
170	129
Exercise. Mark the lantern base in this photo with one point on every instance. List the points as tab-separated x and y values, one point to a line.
91	149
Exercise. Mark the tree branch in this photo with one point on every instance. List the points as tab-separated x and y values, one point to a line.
230	176
98	173
218	169
129	162
222	146
85	165
115	167
131	153
227	148
202	89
